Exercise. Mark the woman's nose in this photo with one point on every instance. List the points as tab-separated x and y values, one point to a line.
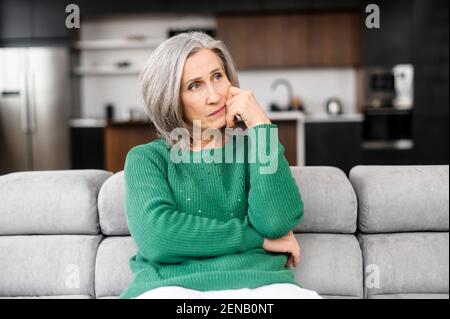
213	97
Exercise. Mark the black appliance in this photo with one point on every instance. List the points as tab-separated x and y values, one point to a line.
388	108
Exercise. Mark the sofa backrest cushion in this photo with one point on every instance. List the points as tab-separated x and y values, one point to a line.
329	199
330	204
111	206
50	202
401	198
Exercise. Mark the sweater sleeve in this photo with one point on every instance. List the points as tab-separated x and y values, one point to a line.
275	203
164	234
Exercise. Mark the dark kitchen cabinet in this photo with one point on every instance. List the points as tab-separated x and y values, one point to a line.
49	19
15	19
287	135
335	144
415	32
392	43
87	147
26	21
114	7
431	94
389	157
121	137
334	39
322	39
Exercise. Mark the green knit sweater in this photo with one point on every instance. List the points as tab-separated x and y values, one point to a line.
201	225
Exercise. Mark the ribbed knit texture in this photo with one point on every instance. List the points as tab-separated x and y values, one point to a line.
202	225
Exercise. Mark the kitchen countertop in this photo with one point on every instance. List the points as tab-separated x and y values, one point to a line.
353	117
276	116
117	123
310	118
87	123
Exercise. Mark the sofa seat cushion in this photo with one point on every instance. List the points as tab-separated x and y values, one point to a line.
47	265
330	264
51	297
406	263
112	271
410	296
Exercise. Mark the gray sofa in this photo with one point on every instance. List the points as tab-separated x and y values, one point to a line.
381	233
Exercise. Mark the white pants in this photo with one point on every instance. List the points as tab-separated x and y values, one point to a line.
273	291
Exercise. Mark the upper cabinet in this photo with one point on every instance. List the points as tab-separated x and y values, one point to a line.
49	18
319	39
15	19
24	20
395	34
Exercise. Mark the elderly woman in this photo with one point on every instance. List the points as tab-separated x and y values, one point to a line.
205	226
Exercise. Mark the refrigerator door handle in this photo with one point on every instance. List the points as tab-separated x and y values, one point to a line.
10	93
32	104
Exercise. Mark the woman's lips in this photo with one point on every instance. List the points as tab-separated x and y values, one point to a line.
218	111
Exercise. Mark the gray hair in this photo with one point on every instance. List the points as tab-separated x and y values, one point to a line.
160	80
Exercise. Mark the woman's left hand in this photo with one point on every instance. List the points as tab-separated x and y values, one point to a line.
243	103
286	244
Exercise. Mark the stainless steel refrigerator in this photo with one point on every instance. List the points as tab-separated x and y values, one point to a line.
34	109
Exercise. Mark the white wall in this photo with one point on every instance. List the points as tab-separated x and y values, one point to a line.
313	86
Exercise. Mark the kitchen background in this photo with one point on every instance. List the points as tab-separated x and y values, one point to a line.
342	94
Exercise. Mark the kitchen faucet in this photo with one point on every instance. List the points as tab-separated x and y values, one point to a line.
294	102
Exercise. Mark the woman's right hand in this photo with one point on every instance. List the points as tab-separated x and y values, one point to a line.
286	244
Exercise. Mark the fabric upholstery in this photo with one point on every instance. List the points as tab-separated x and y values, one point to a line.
47	265
330	264
401	198
330	201
112	272
111	206
406	263
410	296
63	234
320	187
50	297
50	202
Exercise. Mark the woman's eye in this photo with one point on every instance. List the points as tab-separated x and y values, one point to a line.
218	76
193	85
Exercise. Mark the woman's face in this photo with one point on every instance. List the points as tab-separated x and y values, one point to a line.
204	90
